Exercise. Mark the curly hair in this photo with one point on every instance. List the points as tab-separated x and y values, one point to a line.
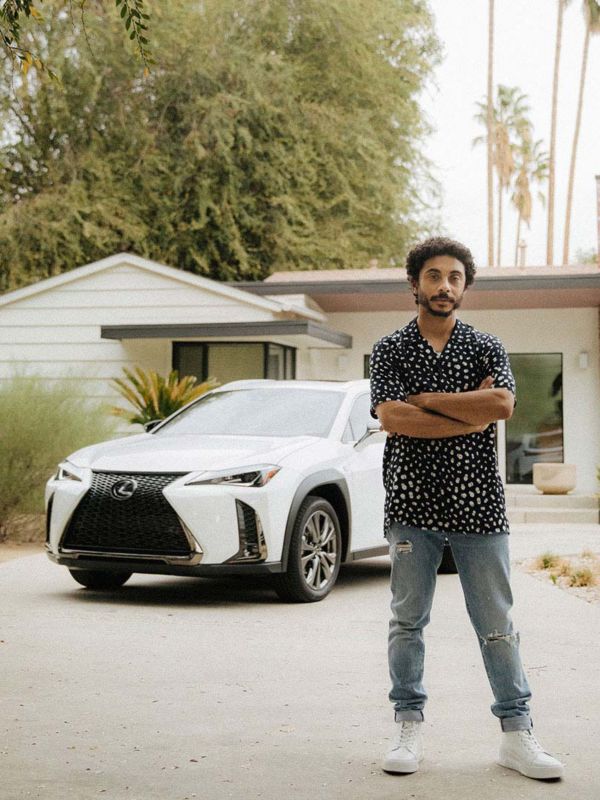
439	246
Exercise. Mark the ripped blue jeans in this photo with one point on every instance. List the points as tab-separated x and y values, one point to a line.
483	565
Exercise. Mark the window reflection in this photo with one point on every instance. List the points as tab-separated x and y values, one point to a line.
535	430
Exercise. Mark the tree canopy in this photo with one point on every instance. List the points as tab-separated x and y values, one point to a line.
269	134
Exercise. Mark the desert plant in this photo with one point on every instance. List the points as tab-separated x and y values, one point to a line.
154	397
40	424
583	577
547	561
565	568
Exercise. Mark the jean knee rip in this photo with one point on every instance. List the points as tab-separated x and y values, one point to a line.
496	636
403	547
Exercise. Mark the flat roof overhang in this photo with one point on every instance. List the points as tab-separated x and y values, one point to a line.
297	333
497	292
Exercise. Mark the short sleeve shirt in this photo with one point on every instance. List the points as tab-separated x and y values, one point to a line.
451	484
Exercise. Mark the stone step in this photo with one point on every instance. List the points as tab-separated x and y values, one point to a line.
553	516
581	501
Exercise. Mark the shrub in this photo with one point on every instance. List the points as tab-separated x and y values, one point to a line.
565	568
583	577
154	397
40	424
547	561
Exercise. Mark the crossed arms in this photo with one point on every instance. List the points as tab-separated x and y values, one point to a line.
441	415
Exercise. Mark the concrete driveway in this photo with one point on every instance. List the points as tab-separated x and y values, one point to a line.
178	688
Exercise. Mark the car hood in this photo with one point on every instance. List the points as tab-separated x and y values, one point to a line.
148	452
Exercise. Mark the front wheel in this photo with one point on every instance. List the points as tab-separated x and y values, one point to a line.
315	554
98	579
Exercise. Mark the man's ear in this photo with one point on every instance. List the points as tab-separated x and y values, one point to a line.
413	286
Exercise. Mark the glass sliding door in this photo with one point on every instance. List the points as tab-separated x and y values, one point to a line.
190	358
535	430
233	361
275	362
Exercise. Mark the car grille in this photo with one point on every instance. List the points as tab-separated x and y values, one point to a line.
144	523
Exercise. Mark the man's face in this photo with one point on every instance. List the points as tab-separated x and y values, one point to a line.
441	286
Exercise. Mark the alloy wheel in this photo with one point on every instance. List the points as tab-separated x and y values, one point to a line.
318	550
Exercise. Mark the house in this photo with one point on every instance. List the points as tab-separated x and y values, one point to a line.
86	324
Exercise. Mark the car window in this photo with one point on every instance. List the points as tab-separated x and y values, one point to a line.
258	412
358	419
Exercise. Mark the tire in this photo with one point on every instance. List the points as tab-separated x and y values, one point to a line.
100	580
316	530
448	565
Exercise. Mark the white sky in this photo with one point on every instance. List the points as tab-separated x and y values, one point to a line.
524	57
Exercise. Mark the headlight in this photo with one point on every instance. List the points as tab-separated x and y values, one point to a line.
257	475
68	472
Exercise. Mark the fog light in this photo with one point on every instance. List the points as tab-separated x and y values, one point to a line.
250	532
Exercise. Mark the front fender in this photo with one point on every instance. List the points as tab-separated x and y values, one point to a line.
316	480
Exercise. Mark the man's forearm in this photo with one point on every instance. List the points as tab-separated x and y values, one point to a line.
408	420
474	408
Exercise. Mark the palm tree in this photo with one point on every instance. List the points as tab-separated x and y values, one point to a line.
531	167
509	116
562	4
490	134
591	11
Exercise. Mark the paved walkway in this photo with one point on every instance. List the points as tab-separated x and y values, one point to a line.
177	688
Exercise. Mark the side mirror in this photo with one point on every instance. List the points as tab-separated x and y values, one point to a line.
373	426
152	424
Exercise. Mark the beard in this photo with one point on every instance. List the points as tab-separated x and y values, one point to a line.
425	302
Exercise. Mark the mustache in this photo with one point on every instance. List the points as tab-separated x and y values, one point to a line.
440	297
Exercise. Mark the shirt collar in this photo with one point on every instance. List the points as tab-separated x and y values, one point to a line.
412	333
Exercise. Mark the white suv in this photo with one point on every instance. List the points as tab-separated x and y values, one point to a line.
281	478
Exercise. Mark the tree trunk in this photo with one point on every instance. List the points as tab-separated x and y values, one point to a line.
499	251
552	156
518	237
567	233
490	134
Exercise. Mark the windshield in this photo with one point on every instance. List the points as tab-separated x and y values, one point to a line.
259	412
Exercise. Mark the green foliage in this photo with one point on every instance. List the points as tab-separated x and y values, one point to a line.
12	13
589	256
39	426
547	561
583	577
153	397
270	135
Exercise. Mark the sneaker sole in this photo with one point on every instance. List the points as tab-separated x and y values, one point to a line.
532	772
406	768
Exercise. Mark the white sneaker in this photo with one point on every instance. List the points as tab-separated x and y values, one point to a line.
520	750
407	750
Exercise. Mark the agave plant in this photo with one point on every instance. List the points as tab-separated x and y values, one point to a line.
153	397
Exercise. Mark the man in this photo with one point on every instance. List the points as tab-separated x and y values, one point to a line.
438	386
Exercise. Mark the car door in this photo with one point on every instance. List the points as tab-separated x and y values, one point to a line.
363	475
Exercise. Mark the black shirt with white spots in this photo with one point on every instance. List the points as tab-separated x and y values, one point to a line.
450	484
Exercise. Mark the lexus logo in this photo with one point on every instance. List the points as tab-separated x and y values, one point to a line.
123	490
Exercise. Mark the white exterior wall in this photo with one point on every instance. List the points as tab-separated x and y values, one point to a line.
567	331
56	333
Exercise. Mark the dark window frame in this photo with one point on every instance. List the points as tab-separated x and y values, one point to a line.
176	348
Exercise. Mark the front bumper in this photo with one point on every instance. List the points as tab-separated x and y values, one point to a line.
116	562
171	528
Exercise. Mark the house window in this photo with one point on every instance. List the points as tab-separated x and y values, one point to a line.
233	361
535	430
366	372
